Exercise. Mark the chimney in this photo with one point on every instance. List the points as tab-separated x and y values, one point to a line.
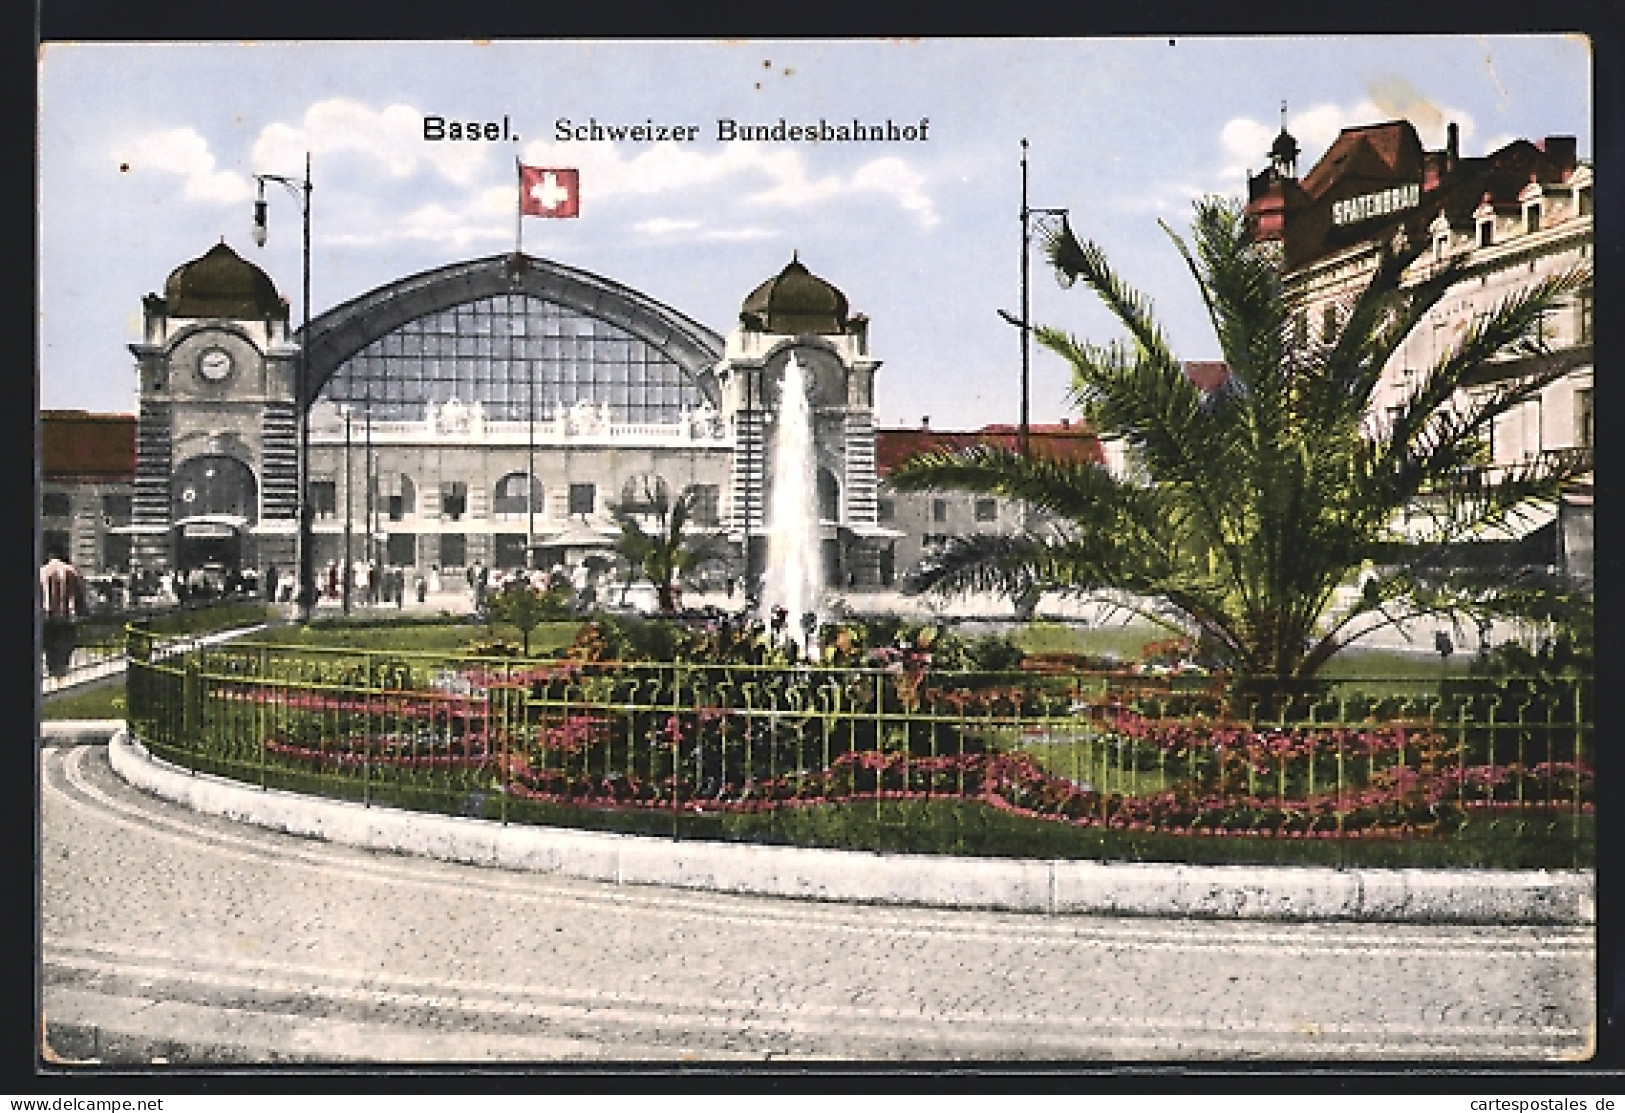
1561	149
925	422
1066	423
1452	146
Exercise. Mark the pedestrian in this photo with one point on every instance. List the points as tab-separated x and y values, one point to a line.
423	588
270	583
62	596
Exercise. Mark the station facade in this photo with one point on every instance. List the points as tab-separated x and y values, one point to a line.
501	411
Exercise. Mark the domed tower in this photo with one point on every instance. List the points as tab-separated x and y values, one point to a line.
216	448
797	313
1274	196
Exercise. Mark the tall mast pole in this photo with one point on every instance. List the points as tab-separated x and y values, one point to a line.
307	540
530	475
1026	330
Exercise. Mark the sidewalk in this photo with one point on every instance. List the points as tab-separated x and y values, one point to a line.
115	666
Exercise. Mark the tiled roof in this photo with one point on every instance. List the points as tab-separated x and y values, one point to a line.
75	445
1388	149
1067	441
1208	374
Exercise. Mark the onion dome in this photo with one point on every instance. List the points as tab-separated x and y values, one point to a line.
1284	152
221	283
795	302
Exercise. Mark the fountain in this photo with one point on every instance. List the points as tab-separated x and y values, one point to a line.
794	575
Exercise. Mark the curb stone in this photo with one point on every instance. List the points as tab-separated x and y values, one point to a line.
1054	887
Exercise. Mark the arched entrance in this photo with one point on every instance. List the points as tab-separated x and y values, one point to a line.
212	499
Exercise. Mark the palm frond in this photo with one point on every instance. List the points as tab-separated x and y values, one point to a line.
1073	260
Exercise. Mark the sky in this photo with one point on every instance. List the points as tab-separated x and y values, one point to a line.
147	153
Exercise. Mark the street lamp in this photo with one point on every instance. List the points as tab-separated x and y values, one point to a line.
1024	322
300	189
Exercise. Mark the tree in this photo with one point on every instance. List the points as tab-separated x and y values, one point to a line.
668	549
1242	511
520	605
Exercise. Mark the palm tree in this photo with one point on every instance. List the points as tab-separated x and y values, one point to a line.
667	550
1242	511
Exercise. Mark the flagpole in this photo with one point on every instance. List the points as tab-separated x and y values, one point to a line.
518	208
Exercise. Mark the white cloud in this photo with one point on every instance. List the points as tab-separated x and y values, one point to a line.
431	223
898	178
672	168
390	139
184	152
668	228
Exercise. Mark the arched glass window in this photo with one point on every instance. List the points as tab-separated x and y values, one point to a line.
644	495
397	496
829	496
518	356
214	485
513	494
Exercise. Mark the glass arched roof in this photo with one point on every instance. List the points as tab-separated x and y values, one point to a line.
513	352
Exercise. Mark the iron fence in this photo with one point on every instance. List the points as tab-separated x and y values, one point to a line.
902	758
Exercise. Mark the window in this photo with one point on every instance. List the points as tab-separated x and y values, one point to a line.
707	504
453	500
1582	418
1486	233
54	505
644	494
512	494
519	356
1583	309
939	510
116	509
116	552
401	549
583	496
1328	323
509	551
829	496
1585	201
987	510
323	498
1300	328
399	503
453	550
1531	218
886	510
57	541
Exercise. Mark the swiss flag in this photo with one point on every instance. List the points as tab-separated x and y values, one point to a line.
544	192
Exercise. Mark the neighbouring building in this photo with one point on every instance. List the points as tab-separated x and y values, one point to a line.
87	473
1510	218
924	521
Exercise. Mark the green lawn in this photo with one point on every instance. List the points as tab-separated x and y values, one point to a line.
413	636
104	701
1059	637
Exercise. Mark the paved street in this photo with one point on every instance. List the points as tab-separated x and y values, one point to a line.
183	937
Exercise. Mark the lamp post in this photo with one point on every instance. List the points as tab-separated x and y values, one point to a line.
1024	323
349	562
300	189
